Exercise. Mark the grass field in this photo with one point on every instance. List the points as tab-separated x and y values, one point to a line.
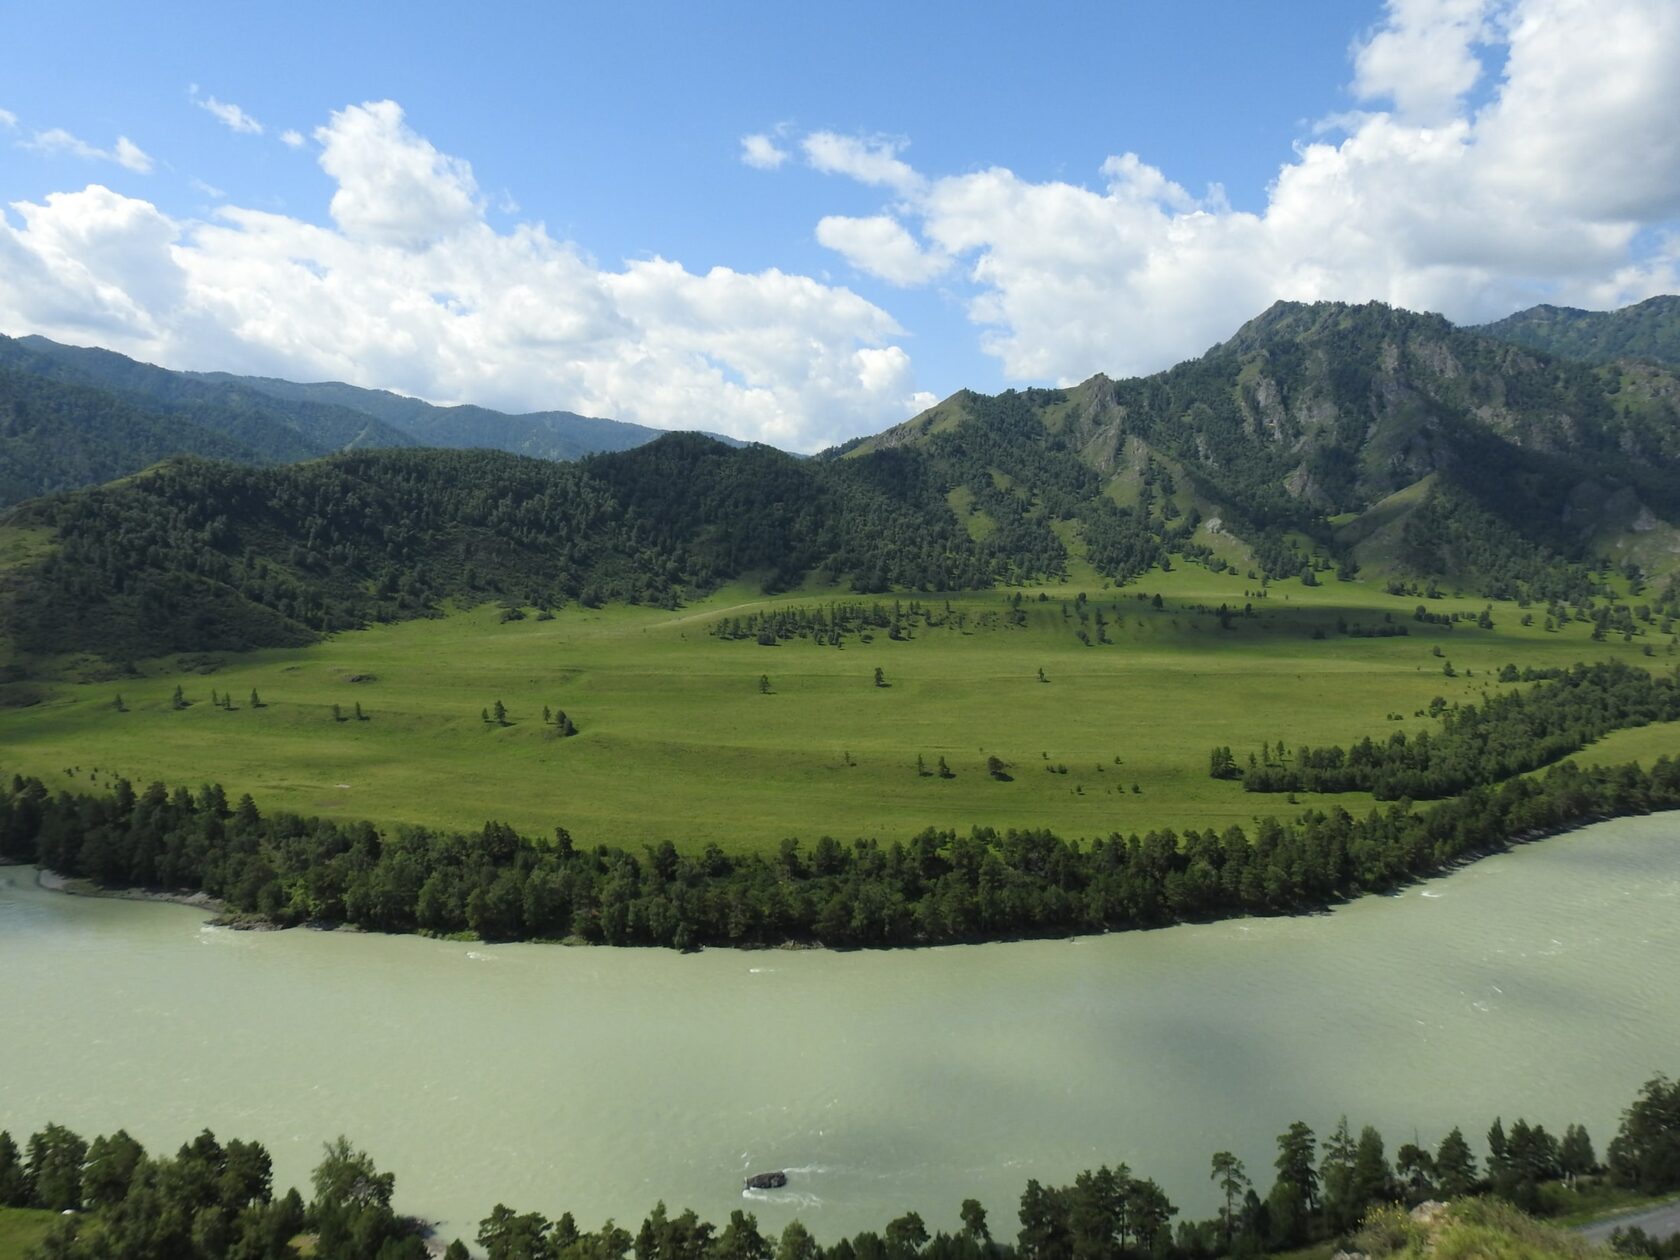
22	1228
676	741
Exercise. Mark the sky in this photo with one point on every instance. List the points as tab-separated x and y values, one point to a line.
801	223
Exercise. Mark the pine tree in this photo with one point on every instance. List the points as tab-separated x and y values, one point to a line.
256	700
179	699
338	713
360	716
499	711
118	704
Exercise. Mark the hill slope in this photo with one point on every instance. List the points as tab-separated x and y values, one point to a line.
1648	330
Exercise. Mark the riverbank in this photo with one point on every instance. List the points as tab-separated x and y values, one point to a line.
75	886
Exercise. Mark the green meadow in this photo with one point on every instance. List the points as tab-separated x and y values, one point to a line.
21	1229
678	741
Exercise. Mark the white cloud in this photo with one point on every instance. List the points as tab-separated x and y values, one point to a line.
411	289
1554	189
228	114
132	156
760	150
209	190
291	139
125	153
871	160
393	186
1423	59
881	246
8	120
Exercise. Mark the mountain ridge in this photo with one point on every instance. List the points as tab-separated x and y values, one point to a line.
1358	439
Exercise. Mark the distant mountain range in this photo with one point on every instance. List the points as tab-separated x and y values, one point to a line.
73	416
1322	441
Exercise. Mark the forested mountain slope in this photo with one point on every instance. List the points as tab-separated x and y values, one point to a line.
110	415
1648	330
201	554
56	436
1332	434
274	428
544	434
1355	439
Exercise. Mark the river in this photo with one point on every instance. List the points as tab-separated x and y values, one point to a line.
1543	982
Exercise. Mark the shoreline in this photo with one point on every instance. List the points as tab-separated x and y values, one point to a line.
78	886
224	917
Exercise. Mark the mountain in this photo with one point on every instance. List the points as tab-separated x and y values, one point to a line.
1649	330
1355	435
273	428
56	436
110	415
1362	440
199	554
544	434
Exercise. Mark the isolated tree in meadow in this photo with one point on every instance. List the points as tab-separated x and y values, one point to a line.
484	716
996	767
360	716
256	700
179	699
880	677
118	704
547	716
499	712
338	713
1041	677
944	771
563	725
764	684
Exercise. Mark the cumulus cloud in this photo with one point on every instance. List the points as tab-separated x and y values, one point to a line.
408	287
291	139
1424	59
882	247
124	153
8	120
760	151
871	159
393	186
1564	186
227	113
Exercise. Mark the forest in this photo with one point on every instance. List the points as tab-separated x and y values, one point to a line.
216	1201
1505	735
937	886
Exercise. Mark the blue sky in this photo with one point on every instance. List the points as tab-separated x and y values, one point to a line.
548	206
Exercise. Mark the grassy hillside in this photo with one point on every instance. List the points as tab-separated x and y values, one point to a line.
677	741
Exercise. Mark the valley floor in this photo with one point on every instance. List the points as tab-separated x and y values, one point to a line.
688	736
